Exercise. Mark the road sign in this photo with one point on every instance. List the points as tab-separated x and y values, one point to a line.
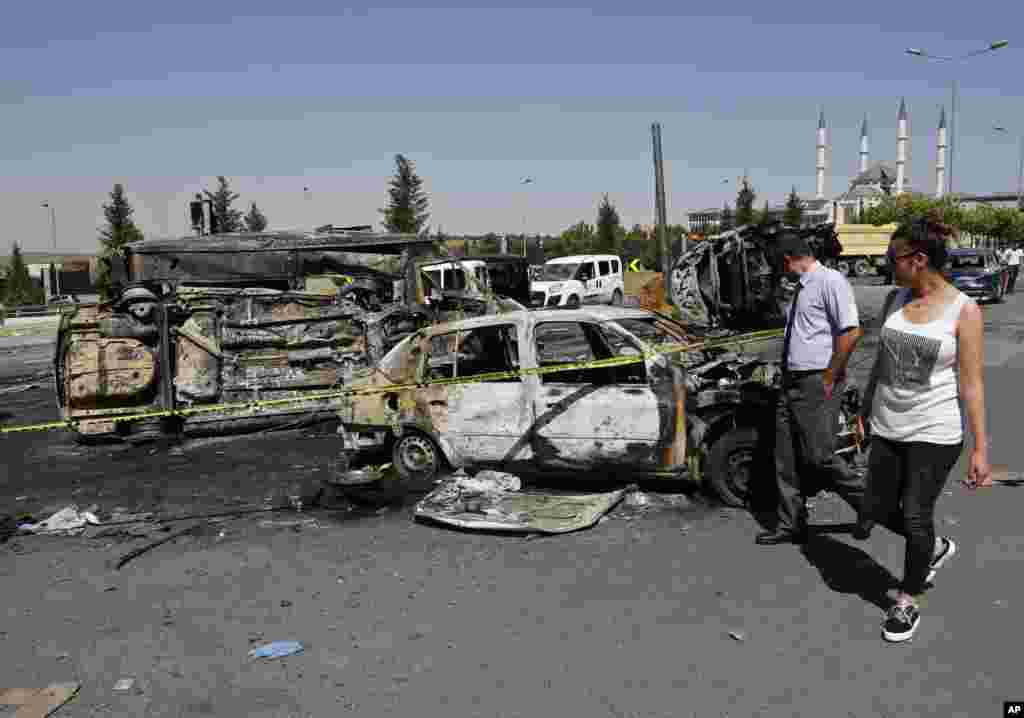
634	265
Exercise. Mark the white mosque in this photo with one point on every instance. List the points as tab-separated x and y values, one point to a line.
874	181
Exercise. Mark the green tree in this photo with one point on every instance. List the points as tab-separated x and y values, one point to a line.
745	204
407	202
227	218
20	288
794	211
255	221
119	232
608	227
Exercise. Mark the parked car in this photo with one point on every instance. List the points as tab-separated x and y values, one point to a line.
978	273
700	413
583	279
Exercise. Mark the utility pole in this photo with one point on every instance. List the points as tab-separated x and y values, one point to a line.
660	211
53	234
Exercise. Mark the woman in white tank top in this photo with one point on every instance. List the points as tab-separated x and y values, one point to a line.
926	388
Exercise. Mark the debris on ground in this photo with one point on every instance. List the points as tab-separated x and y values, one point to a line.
495	501
69	521
18	389
277	649
124	685
39	702
153	544
738	636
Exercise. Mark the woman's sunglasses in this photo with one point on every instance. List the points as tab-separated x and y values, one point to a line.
892	257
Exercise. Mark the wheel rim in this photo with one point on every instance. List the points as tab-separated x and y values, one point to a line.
417	454
739	471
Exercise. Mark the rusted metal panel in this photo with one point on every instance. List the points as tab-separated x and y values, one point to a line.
197	371
99	370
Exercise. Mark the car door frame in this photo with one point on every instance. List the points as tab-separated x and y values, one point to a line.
632	445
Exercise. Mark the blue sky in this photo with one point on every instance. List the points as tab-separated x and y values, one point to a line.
280	96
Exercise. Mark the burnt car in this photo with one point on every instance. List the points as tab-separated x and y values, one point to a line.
736	279
978	273
686	414
269	319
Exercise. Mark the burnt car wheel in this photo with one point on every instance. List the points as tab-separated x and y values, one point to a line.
416	457
732	464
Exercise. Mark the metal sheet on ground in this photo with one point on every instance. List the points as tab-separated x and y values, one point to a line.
526	511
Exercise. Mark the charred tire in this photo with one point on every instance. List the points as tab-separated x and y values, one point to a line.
861	267
416	457
616	298
731	465
573	303
843	268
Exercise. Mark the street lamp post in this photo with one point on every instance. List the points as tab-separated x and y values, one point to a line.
53	235
952	119
525	181
1020	168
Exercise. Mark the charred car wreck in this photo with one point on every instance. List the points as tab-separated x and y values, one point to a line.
733	280
252	318
695	414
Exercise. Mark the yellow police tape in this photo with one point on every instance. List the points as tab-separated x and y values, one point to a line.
389	388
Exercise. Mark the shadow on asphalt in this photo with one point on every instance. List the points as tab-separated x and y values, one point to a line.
847	569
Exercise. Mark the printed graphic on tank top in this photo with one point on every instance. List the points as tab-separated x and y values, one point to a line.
908	359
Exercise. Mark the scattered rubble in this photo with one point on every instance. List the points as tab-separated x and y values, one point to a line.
69	521
277	649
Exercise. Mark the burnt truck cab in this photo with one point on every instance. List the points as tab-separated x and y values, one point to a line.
267	319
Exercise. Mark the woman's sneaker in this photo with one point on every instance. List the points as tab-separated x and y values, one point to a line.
937	562
901	622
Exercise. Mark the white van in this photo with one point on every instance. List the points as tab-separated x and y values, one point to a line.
582	279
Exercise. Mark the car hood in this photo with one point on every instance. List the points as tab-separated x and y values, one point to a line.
970	273
545	285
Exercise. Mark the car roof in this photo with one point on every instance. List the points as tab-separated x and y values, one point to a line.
581	258
524	317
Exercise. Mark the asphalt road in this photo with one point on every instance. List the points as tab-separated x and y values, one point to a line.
663	612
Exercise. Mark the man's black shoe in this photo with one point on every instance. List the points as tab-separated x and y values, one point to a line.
773	538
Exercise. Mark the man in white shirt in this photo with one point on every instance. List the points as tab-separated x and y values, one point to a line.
1013	256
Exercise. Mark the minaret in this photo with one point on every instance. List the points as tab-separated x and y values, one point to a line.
820	186
940	156
864	145
901	148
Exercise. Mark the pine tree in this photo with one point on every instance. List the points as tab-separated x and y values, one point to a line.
607	227
120	231
20	287
225	216
407	203
255	221
794	210
745	204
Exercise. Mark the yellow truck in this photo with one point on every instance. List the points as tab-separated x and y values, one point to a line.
864	247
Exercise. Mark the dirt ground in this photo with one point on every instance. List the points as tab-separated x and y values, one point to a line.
665	610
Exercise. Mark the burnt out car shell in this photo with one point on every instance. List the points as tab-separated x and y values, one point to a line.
630	418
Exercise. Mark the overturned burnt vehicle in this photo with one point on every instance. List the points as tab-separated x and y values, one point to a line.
252	318
531	405
736	279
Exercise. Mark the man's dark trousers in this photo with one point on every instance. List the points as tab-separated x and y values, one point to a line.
1012	284
806	425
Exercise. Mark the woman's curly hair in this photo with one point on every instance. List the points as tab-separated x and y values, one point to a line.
929	235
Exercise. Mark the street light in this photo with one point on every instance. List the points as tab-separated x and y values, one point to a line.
1020	168
53	234
917	52
525	181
